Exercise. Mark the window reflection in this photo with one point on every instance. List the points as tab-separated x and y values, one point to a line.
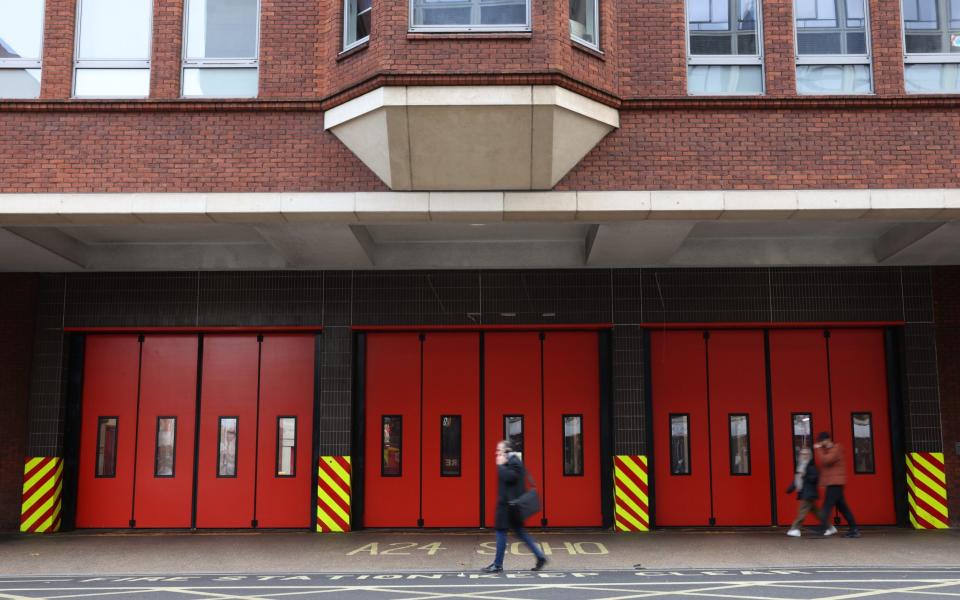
227	447
513	432
392	446
286	446
572	444
739	445
862	443
802	434
450	430
679	444
166	446
107	437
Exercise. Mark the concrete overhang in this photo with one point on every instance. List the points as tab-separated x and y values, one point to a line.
460	138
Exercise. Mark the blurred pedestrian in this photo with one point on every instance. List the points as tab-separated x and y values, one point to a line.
805	484
833	476
510	486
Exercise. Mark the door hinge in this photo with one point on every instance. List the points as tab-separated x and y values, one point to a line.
260	338
133	522
254	523
419	522
712	521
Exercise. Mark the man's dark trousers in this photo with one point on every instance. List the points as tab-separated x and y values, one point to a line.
834	498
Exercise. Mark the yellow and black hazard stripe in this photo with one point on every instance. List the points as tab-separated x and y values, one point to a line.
631	503
42	495
927	490
333	494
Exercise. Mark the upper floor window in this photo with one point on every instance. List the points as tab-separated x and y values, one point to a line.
221	51
585	22
832	47
931	43
357	16
21	43
724	52
470	15
112	57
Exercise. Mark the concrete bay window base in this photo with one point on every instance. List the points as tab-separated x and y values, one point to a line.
472	137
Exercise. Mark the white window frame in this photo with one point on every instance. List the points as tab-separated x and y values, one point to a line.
348	7
834	59
728	59
478	28
838	59
133	64
218	63
29	63
926	57
596	27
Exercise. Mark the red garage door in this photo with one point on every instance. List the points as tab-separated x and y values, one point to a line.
138	450
711	430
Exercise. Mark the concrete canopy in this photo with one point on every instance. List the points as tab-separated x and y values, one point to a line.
471	138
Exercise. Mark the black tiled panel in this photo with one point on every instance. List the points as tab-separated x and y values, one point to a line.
627	296
46	377
337	298
628	391
254	298
705	295
848	294
393	297
336	384
573	296
922	388
917	294
131	300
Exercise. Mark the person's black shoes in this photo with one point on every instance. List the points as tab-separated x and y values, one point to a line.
493	569
540	564
853	533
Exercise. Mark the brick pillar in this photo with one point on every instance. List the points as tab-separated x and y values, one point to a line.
885	36
17	307
58	41
289	30
778	48
166	49
946	298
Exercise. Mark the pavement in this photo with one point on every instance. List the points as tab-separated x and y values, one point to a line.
89	553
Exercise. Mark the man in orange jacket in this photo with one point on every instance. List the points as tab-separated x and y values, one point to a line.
833	476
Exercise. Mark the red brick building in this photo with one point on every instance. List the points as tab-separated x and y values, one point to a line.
671	227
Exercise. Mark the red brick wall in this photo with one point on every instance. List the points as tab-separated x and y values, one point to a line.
17	306
643	48
946	295
272	150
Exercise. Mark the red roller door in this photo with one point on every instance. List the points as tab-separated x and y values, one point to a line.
228	431
512	386
738	414
680	390
801	404
859	391
392	469
451	430
108	431
168	404
286	431
571	490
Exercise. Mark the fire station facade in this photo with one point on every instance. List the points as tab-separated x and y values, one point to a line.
275	264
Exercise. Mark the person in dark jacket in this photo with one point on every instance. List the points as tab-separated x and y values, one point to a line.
805	484
510	485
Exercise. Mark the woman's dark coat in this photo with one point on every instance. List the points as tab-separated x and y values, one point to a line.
510	486
811	477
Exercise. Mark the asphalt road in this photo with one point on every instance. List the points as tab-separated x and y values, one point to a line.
817	583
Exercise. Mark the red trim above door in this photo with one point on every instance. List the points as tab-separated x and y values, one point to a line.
507	327
775	325
245	329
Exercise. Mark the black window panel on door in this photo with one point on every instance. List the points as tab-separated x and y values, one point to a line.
739	444
680	444
801	430
391	457
227	436
513	432
862	424
450	442
107	436
572	445
286	447
165	459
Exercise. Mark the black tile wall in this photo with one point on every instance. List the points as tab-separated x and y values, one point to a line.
625	297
